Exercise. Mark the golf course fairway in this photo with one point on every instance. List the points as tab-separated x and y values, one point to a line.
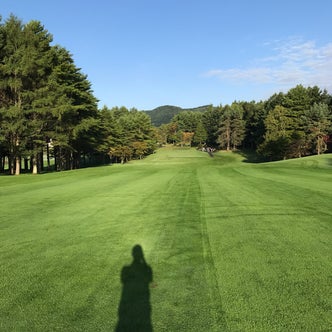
229	245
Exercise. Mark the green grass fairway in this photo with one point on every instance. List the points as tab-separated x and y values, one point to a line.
233	246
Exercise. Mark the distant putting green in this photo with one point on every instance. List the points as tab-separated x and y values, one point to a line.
232	246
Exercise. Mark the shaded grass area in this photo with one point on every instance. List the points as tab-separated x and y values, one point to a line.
232	246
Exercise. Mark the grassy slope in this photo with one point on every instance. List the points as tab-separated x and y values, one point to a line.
233	246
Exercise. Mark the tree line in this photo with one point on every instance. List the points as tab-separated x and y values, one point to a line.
48	114
287	125
49	118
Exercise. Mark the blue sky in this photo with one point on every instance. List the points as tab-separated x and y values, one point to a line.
188	53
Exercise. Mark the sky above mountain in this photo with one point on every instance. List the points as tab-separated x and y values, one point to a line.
189	53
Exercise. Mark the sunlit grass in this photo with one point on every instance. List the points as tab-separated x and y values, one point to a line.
233	246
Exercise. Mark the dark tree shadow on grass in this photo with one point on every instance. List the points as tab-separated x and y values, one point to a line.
135	308
250	156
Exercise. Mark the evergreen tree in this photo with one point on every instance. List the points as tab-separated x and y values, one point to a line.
187	121
36	95
13	76
224	137
75	115
277	136
318	122
237	125
232	127
200	134
211	120
254	116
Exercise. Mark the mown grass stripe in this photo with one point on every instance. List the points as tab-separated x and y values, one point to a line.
212	276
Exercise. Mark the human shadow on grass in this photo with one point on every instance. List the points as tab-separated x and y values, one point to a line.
134	307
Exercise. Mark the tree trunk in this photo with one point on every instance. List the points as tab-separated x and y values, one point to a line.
228	138
56	158
319	145
34	164
18	166
48	157
11	165
17	158
40	163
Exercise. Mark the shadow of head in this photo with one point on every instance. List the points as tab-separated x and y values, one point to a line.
137	253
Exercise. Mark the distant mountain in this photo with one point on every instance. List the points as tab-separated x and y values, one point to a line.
164	114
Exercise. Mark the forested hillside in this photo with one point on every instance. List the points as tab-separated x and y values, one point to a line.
164	114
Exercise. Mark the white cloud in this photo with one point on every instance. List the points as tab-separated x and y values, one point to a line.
259	75
293	62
